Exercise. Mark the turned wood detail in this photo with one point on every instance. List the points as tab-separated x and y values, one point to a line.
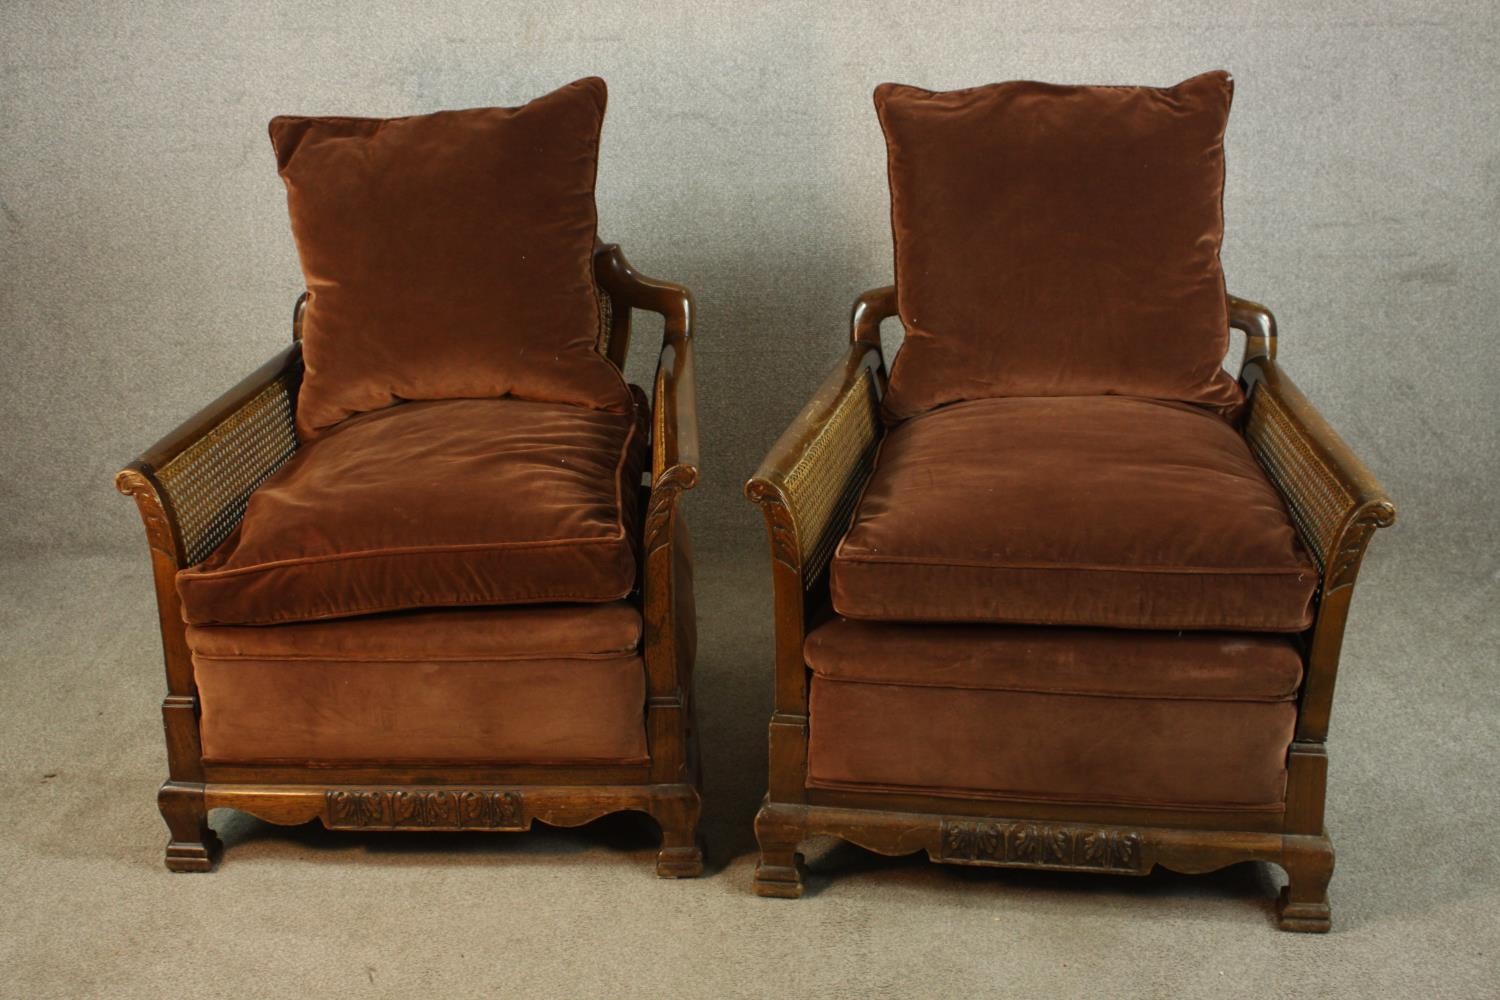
423	808
1041	845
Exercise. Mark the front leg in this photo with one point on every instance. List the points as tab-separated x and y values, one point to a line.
676	809
194	846
779	829
1303	905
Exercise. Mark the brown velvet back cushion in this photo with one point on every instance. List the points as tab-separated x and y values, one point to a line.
1058	241
448	255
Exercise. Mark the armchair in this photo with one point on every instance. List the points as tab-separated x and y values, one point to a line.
1060	592
354	770
808	488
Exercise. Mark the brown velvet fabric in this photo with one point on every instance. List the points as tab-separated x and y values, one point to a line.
1058	241
495	685
1087	510
434	504
1229	666
448	255
1051	748
1058	715
528	632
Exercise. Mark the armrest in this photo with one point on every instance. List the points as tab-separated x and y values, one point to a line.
1258	325
807	489
674	431
667	597
869	309
811	479
674	434
191	486
1335	501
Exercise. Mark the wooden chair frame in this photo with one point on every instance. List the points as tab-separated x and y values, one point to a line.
807	488
377	795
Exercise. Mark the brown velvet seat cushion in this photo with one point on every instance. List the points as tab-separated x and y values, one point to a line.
484	685
1081	510
448	255
1185	720
1058	241
435	504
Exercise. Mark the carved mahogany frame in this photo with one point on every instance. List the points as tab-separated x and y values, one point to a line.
1313	469
378	795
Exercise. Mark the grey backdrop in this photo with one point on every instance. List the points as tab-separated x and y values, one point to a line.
145	265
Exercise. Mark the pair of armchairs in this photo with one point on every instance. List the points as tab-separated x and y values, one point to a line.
1058	593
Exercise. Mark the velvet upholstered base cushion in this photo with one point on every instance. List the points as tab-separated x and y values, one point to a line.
435	504
1089	510
547	684
1057	240
1183	720
448	255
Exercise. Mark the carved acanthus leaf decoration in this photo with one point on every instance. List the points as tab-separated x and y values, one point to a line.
1344	566
665	493
134	483
779	522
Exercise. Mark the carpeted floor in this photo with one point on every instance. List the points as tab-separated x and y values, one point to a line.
146	264
89	911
